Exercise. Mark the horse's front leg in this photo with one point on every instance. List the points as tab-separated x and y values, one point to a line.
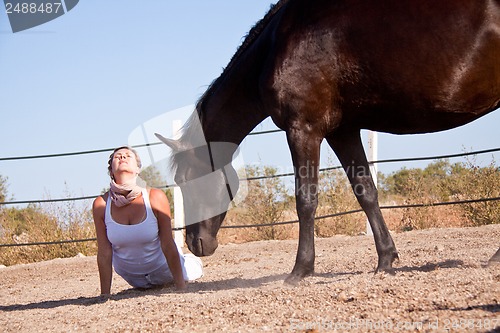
305	150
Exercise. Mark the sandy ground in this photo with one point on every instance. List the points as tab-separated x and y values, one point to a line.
441	285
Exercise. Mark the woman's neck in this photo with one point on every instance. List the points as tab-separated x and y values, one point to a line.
125	178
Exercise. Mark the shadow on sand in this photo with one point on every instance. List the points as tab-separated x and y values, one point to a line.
194	287
233	283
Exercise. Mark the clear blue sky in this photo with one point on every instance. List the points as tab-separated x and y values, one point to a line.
87	79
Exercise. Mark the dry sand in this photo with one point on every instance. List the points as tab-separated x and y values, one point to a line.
441	285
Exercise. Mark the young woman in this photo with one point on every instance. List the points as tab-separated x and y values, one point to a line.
134	233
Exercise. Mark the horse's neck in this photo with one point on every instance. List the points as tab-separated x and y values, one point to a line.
233	108
231	123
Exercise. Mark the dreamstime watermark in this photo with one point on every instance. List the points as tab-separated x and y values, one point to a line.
356	324
26	14
310	171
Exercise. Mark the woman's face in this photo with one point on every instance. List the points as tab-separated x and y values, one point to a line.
124	160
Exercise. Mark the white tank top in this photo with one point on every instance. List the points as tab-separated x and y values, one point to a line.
136	247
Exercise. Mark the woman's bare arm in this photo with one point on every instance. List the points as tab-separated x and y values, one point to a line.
104	250
161	208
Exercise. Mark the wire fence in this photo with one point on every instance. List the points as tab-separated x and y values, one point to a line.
399	160
274	223
280	175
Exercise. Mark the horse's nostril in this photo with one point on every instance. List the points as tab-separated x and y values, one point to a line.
196	246
200	246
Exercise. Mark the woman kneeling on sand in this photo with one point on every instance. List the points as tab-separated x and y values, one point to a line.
134	233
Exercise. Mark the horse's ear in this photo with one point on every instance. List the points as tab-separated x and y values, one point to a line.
175	145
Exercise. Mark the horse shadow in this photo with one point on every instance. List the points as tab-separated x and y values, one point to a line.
431	266
493	308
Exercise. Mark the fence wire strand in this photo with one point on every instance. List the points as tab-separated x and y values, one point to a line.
408	159
277	223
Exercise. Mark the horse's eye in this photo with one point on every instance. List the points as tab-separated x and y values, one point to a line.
179	179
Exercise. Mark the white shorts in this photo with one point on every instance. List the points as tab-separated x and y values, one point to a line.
192	269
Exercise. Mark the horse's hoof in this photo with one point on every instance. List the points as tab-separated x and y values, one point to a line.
390	271
385	264
294	278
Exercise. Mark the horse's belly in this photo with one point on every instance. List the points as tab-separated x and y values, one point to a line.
419	122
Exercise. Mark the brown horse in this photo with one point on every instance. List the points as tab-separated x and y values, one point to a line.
325	69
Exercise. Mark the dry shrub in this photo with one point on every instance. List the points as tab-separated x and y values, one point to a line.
418	217
76	222
35	224
436	217
393	218
419	190
237	218
471	182
444	182
234	235
336	196
27	225
264	205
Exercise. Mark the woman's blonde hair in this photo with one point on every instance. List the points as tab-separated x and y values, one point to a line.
110	160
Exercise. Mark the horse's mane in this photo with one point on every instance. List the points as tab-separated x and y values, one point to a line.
192	132
249	39
254	32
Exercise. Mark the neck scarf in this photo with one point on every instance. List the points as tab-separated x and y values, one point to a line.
123	194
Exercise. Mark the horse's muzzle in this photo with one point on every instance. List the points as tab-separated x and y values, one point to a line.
201	247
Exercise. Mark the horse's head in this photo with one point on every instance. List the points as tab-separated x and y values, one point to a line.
208	183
